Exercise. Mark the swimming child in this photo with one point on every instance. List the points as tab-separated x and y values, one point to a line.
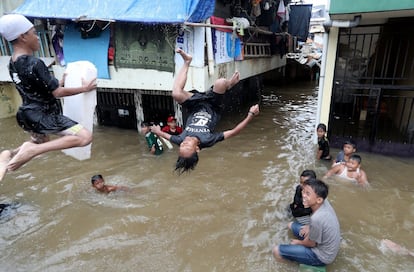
348	149
172	128
98	183
154	143
323	143
301	213
351	171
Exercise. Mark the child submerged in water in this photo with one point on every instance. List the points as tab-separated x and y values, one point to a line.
351	171
154	143
98	183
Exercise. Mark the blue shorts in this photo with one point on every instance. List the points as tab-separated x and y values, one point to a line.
299	253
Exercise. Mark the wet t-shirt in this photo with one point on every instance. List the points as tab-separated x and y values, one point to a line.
154	141
33	81
40	111
324	229
201	121
323	144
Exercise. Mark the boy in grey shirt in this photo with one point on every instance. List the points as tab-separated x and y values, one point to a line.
317	244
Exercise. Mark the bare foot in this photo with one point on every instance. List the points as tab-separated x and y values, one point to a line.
186	57
235	78
5	157
25	154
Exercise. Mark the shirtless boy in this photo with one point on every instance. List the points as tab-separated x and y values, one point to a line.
351	171
98	183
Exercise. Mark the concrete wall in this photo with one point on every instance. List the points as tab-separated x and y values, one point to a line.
329	75
9	100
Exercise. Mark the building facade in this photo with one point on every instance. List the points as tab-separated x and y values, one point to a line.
367	77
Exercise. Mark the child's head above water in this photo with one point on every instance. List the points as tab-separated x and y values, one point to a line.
145	127
96	178
321	130
355	157
349	146
319	187
307	174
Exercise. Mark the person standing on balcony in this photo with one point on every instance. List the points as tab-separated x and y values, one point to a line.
204	113
40	113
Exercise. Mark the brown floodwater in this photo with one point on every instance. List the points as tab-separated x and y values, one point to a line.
224	216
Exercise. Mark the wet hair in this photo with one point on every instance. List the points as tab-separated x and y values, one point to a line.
186	164
95	178
309	174
320	188
355	157
350	142
321	126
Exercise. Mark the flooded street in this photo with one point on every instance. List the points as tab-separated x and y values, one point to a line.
224	216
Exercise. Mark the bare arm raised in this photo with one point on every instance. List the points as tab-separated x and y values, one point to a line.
254	110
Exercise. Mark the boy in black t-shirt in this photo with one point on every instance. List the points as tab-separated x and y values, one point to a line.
40	113
204	113
323	143
299	211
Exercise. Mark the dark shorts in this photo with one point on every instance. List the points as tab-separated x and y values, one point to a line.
215	100
43	119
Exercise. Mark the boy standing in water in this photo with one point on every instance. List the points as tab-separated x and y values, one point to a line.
204	113
317	244
323	143
40	113
154	143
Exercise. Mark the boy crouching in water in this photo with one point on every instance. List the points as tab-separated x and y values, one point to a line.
317	244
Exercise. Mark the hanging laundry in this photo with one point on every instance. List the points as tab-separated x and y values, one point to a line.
281	11
256	9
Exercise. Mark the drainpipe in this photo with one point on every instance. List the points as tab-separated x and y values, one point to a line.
328	24
210	55
344	24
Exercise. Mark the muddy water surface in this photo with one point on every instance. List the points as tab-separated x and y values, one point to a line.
225	216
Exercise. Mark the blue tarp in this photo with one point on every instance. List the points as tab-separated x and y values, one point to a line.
94	49
147	11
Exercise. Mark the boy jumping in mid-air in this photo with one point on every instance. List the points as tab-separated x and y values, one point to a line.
40	113
204	113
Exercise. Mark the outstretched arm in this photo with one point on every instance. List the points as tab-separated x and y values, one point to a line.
333	171
62	91
157	130
254	110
